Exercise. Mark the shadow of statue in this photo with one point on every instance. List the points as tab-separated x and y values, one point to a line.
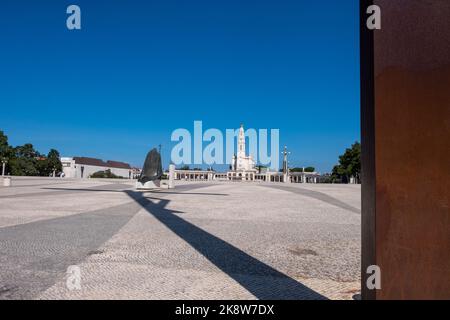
260	279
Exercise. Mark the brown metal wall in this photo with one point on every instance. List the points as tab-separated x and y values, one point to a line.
410	188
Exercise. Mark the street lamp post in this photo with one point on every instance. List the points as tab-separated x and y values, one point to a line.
285	154
4	161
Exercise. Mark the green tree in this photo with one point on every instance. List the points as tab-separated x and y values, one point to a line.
349	165
5	149
24	161
105	174
307	169
6	152
53	162
46	165
26	151
259	167
23	167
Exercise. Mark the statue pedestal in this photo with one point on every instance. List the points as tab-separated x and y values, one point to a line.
156	184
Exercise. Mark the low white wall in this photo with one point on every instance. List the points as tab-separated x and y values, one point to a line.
75	172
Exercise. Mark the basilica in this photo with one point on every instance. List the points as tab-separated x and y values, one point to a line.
243	167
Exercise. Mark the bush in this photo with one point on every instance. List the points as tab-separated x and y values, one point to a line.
105	174
307	169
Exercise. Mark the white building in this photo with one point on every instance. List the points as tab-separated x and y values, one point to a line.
242	166
196	175
83	167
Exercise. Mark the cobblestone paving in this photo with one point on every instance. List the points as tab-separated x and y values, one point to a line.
199	241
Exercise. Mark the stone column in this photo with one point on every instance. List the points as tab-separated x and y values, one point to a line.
171	176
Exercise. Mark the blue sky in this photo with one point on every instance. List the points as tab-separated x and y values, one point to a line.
140	69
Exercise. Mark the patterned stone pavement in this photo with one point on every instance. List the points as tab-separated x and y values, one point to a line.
199	241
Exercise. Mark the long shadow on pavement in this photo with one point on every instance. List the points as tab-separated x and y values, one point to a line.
35	254
263	281
315	195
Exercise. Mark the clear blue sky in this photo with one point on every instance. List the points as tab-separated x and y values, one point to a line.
140	69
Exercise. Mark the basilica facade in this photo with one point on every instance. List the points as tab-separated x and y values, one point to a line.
243	167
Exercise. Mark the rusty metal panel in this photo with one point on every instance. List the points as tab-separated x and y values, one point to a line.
411	149
368	257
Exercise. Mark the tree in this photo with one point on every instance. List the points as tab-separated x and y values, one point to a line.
26	151
349	165
6	152
26	161
53	161
259	167
49	164
23	167
5	149
105	174
307	169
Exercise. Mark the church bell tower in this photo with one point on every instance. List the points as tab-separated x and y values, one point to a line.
241	143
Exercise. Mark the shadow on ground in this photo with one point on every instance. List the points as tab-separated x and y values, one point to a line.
316	195
36	254
263	281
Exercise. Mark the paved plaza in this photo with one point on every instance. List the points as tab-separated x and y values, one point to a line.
202	240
